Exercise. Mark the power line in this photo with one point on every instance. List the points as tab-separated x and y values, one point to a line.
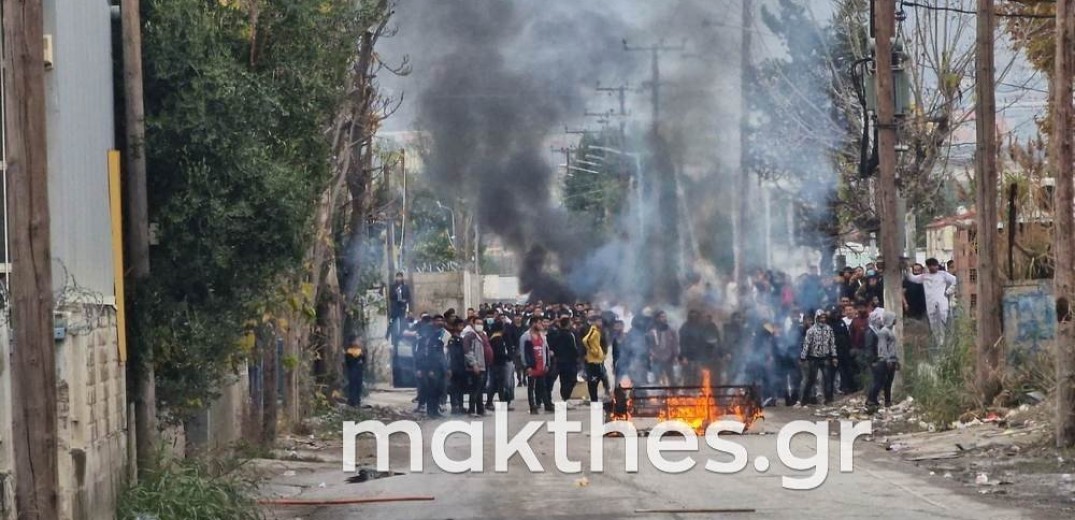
965	11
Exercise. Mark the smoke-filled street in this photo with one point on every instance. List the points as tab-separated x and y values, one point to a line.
537	259
880	485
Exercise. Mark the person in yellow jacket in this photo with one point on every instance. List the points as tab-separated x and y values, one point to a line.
595	358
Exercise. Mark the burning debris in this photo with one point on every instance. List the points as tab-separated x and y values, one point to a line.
697	406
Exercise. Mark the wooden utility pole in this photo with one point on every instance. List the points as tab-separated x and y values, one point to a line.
33	362
743	201
141	368
887	189
1064	223
988	331
664	250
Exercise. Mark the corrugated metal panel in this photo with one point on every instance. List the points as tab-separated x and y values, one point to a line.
81	132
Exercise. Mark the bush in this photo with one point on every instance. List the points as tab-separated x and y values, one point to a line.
942	380
192	489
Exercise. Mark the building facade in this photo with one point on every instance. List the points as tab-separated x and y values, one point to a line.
90	356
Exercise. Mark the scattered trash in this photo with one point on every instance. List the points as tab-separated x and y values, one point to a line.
289	473
322	485
1066	477
982	479
932	473
582	482
947	475
1035	396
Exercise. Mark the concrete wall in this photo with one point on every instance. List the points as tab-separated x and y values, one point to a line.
437	292
500	288
221	425
92	416
1029	321
91	413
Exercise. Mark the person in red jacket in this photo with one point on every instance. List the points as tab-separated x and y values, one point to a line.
536	361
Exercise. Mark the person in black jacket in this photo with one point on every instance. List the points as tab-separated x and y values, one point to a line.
399	299
565	350
355	363
457	367
434	366
501	370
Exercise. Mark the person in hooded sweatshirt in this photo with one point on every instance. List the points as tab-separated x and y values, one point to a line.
882	341
818	353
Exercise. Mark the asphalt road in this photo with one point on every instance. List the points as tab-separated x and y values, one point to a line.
879	486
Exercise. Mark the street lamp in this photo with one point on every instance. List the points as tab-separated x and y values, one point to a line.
451	212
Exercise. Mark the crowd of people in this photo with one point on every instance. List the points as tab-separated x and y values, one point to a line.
785	336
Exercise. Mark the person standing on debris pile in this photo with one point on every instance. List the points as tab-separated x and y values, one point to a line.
882	342
475	364
355	364
938	286
841	328
536	363
818	353
595	359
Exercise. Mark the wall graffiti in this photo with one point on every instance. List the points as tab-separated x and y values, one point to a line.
1029	320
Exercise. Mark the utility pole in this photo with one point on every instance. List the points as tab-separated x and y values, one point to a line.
1064	277
137	227
743	200
989	291
664	254
621	92
33	362
887	189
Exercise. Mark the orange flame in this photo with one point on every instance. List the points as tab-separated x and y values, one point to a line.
699	411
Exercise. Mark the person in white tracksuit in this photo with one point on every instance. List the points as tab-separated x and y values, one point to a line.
938	286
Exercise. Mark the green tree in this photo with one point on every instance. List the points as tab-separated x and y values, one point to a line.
238	97
596	185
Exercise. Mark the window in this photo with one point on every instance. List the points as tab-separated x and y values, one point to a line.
973	276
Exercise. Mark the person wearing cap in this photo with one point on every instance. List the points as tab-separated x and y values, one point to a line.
818	353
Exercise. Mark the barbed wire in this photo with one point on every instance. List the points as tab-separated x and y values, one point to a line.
70	294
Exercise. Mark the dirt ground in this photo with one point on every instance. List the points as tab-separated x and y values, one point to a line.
1008	457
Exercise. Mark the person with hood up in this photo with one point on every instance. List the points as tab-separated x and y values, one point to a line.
818	353
882	342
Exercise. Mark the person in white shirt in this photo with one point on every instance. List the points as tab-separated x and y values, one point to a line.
938	286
